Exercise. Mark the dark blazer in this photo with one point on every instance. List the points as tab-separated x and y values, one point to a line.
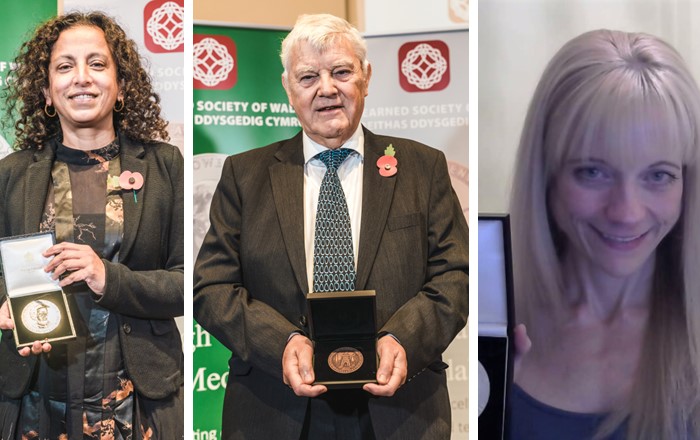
250	282
144	290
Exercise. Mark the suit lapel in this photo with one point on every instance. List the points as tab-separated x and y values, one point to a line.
131	158
287	179
36	188
377	194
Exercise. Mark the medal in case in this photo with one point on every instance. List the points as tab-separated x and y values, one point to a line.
343	329
38	305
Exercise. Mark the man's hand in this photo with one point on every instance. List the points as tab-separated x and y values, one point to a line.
6	324
297	367
393	368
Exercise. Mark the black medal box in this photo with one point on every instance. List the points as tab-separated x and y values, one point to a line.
343	329
38	305
495	326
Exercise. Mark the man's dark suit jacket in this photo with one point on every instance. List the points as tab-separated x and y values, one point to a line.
144	290
250	282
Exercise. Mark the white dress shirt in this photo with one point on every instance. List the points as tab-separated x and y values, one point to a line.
350	175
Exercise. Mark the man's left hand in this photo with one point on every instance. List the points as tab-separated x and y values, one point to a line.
393	368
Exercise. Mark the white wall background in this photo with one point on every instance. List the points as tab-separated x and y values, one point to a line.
516	40
399	16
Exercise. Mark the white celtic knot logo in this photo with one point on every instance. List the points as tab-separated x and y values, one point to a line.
424	66
212	62
166	26
460	8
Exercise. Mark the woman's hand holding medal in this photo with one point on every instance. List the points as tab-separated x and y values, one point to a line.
6	323
78	263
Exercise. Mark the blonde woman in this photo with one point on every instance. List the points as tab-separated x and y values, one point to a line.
605	211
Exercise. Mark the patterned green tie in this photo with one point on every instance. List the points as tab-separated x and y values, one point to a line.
334	261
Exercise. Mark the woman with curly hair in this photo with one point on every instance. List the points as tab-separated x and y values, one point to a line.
605	210
92	167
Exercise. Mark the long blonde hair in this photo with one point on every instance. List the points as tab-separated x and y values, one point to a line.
595	89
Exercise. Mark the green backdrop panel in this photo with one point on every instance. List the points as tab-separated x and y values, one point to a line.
17	22
239	104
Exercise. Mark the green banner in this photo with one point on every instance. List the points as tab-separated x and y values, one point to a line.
239	104
17	24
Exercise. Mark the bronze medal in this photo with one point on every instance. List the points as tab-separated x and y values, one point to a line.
345	360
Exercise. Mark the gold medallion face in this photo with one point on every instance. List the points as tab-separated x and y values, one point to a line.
345	360
41	316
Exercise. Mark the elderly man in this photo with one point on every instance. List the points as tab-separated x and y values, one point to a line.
407	240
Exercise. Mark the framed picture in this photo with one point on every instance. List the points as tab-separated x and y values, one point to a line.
496	323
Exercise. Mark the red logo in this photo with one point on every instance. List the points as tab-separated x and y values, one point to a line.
215	66
163	26
424	66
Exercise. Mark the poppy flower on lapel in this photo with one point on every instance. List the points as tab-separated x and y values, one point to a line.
132	181
387	163
129	180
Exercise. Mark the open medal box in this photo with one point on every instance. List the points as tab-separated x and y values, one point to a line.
37	304
496	323
343	329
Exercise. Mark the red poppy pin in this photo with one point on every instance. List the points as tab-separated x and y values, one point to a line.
387	163
132	181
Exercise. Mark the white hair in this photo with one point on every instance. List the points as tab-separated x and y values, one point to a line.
322	31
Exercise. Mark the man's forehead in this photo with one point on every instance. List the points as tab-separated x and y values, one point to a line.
340	52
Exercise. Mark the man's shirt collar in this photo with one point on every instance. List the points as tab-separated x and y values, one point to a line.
356	142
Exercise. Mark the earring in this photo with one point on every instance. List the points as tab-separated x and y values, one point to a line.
46	110
118	110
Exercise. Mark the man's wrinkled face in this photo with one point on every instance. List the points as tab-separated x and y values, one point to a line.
327	90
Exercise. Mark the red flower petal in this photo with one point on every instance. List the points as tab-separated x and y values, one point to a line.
387	160
387	171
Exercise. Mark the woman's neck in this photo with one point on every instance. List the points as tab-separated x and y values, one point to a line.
593	293
87	139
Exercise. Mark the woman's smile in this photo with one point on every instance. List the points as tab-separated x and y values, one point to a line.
614	212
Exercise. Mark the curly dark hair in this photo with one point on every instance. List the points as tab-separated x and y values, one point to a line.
140	118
